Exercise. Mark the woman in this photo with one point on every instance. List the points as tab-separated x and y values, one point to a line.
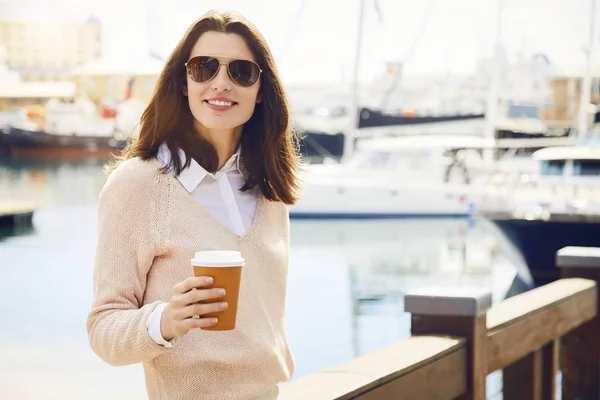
214	168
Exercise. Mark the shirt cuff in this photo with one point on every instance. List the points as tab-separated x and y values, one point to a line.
153	326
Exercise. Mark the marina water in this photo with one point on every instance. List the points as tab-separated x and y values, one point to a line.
345	298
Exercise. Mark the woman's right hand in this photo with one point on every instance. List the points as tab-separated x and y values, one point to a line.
178	316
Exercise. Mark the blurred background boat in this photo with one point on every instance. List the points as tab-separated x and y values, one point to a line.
409	176
61	129
557	207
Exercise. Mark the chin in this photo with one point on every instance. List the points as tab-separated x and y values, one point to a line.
221	122
222	125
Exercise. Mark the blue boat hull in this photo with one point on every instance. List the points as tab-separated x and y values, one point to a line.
538	241
344	216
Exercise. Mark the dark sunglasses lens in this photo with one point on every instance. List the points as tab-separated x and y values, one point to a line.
243	72
202	69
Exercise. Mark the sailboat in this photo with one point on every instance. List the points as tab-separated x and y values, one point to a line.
329	131
68	131
406	176
559	206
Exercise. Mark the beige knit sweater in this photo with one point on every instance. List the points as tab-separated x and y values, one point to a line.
149	228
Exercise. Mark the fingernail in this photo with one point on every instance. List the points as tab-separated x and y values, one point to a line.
223	306
214	320
209	280
221	292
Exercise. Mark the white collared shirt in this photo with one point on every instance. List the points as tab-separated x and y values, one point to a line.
219	194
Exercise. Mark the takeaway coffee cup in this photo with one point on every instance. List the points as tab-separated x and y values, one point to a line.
225	267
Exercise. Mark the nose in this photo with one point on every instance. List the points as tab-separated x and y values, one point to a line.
222	82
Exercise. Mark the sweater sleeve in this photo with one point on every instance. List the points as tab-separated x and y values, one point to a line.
129	226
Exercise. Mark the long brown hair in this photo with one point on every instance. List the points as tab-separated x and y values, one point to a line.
269	147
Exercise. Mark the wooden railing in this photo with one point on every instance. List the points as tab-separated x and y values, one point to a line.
458	339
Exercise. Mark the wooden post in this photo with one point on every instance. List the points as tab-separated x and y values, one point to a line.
580	353
534	376
522	380
550	370
457	313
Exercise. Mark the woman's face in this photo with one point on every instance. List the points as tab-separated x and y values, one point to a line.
220	103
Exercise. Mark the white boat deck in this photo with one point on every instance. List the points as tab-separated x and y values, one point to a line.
10	208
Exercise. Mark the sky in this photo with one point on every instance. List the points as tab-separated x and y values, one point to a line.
315	41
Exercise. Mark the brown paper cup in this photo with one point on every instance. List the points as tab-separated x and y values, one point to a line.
225	267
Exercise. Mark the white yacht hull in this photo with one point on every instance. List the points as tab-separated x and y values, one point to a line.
413	176
365	199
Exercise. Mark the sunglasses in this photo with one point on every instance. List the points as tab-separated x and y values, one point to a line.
243	72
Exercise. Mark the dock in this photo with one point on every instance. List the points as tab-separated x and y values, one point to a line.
459	337
15	213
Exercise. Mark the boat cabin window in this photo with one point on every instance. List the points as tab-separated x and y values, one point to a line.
408	158
586	167
516	110
376	159
553	167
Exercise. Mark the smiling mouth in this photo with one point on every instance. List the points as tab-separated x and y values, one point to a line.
220	103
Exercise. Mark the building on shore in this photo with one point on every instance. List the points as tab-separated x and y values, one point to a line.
108	80
567	91
44	42
25	94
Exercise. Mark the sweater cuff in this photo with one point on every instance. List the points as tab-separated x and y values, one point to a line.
153	326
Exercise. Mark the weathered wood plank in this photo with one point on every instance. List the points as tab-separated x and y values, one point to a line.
474	331
448	373
520	306
407	367
525	323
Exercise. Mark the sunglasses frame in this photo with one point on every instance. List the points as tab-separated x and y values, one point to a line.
226	63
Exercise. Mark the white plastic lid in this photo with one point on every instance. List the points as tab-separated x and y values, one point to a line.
218	258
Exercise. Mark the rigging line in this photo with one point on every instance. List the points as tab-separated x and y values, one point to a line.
424	23
421	30
293	29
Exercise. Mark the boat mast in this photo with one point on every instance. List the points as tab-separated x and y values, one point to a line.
586	82
411	49
352	130
491	115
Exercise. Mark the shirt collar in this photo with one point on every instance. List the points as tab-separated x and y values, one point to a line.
191	176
